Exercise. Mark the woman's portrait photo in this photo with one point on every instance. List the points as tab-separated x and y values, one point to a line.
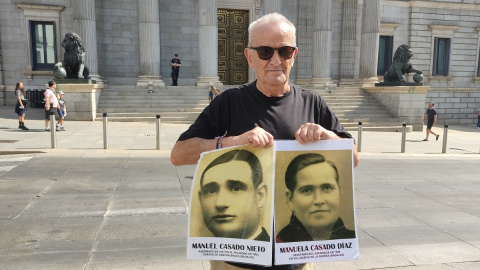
314	196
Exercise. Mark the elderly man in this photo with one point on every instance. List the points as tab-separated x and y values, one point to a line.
232	194
266	109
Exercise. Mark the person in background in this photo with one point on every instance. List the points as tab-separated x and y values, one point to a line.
176	64
51	103
478	114
62	111
21	106
217	92
211	94
431	114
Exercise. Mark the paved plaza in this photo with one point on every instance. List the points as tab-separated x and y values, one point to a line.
80	206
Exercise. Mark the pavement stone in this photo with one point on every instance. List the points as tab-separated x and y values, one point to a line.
80	206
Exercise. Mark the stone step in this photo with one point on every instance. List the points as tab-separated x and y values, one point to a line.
183	104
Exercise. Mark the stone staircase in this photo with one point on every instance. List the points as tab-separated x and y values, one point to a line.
182	104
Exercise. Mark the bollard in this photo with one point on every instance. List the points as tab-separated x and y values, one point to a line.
105	130
445	133
404	133
158	132
359	143
53	134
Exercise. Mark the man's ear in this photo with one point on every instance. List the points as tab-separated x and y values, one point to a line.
200	196
248	55
262	194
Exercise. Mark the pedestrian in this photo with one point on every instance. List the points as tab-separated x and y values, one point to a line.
62	111
217	92
478	114
51	103
257	113
431	116
176	64
211	93
21	106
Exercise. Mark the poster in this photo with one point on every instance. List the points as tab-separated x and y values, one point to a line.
300	197
231	213
314	202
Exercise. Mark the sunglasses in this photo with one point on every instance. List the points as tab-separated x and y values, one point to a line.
265	52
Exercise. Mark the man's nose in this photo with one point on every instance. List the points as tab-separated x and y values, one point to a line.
223	200
276	59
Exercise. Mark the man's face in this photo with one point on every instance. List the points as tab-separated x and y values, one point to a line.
230	203
275	71
430	105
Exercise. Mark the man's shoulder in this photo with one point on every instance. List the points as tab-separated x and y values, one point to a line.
306	93
239	90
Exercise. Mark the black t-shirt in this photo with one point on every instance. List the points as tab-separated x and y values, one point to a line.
239	110
431	115
176	61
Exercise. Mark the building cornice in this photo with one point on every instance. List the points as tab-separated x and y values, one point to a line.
40	7
431	4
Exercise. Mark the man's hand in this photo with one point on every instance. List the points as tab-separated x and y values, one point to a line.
188	151
257	137
310	132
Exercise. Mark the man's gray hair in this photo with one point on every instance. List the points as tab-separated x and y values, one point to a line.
270	18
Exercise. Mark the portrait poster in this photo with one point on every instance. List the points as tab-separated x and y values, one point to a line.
315	214
231	208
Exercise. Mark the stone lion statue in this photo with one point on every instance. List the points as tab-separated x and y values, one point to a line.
73	58
400	66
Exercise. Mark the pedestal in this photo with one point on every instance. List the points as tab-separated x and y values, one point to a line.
208	81
150	81
319	83
407	103
81	100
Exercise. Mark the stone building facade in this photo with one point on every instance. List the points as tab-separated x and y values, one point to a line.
341	43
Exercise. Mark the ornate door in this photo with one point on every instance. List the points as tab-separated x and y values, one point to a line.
232	40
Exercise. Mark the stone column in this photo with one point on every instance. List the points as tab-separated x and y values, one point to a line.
149	35
84	24
303	62
322	39
370	39
3	100
208	43
349	42
270	6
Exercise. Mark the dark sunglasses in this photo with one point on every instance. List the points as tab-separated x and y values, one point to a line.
265	52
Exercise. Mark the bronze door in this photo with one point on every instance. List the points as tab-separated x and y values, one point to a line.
232	40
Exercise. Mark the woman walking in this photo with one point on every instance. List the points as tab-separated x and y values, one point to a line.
20	108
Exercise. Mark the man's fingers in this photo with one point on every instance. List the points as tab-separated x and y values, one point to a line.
309	133
259	138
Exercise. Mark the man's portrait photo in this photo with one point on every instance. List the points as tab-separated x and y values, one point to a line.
232	194
314	196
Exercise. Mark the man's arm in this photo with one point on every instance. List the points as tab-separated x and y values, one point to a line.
425	117
434	120
311	132
188	151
